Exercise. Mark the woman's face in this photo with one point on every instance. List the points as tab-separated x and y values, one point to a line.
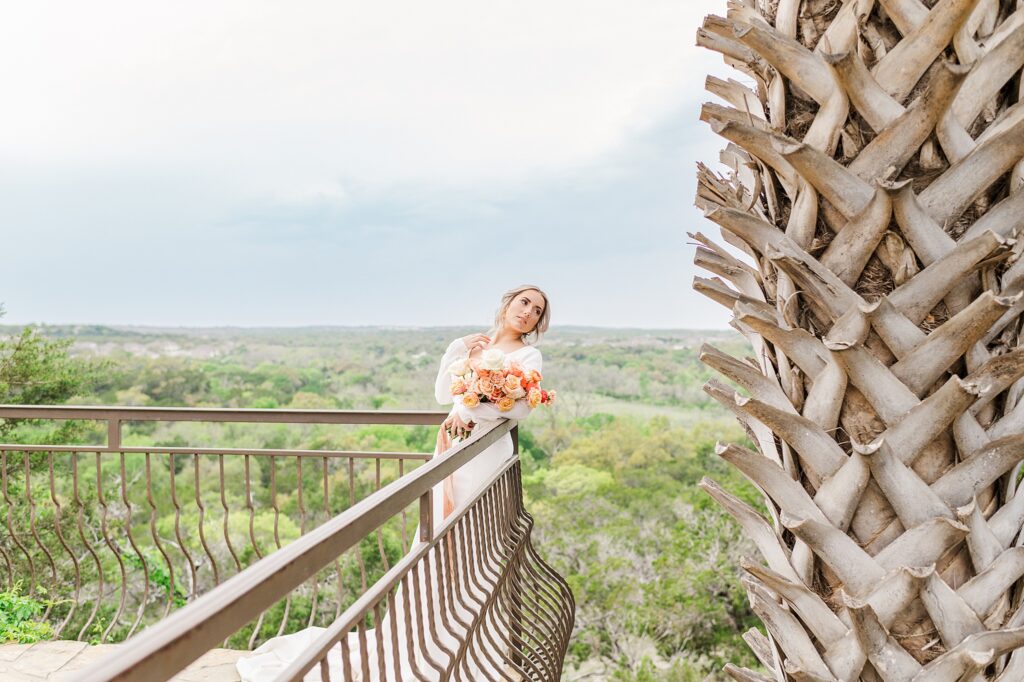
524	311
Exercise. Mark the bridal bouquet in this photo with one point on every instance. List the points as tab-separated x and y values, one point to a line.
497	380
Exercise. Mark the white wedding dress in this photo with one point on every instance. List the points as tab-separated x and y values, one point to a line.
274	655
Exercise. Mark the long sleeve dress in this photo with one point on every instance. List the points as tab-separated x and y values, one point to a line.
272	657
469	478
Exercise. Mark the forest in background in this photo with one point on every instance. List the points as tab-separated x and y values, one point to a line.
610	472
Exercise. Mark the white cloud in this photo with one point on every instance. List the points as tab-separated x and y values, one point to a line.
260	162
297	94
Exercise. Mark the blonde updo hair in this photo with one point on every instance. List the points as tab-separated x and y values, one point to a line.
506	301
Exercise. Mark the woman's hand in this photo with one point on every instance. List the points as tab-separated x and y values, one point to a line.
474	341
455	427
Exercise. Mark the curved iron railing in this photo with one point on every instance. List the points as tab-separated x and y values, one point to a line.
473	602
476	602
122	536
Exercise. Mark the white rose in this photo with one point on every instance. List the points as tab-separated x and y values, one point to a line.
459	367
518	393
492	359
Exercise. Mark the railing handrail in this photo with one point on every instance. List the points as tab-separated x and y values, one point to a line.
168	647
223	414
268	452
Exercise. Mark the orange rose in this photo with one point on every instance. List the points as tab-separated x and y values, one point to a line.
505	404
533	397
496	395
471	400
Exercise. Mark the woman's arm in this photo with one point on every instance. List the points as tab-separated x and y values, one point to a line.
457	350
487	411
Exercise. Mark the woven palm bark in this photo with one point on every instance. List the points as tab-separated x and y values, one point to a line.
874	185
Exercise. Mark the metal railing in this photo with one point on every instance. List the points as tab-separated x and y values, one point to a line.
471	601
475	602
118	537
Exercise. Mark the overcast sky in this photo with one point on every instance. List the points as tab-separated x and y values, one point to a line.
349	163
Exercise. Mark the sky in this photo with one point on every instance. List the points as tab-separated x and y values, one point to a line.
350	163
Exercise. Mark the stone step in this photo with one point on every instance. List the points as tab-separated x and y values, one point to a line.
61	661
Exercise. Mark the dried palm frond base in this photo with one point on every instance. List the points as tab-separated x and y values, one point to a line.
875	151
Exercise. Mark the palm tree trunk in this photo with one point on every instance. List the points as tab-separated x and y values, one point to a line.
874	191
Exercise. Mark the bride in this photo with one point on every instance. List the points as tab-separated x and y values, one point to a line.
522	316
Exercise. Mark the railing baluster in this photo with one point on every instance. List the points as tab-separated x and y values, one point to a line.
7	559
364	659
380	534
171	587
202	520
57	517
10	525
337	562
302	531
392	619
346	659
79	507
277	538
193	590
427	516
27	459
405	520
255	545
351	503
227	525
379	641
114	549
131	540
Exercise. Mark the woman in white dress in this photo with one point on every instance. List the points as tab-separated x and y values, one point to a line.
524	312
522	316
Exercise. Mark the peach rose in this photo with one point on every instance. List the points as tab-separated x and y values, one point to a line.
516	369
496	395
484	385
505	404
533	397
551	397
471	400
458	387
512	382
535	376
518	393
